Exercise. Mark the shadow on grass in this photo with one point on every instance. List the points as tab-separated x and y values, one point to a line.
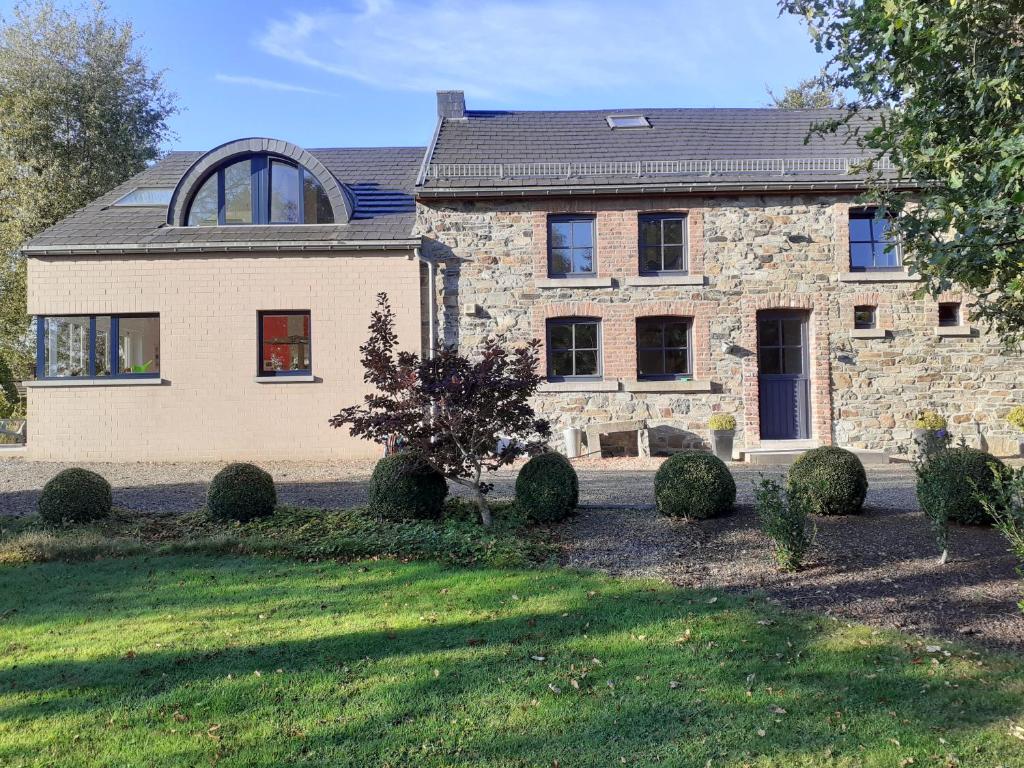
413	664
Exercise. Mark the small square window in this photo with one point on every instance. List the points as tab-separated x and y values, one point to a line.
662	243
285	348
864	317
949	313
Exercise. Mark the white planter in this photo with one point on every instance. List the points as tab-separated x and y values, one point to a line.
721	441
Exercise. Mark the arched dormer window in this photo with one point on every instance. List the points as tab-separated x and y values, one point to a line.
258	181
260	189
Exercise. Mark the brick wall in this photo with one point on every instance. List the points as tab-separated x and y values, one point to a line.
209	406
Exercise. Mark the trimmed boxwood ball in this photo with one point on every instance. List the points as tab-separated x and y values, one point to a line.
831	479
405	487
694	484
953	477
75	496
547	488
241	492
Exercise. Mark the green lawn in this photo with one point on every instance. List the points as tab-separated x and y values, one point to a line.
235	661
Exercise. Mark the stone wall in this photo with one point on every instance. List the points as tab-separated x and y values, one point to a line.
754	253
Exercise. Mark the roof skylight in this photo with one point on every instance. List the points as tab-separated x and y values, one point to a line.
627	121
147	196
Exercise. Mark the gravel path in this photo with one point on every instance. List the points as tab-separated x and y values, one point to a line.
879	567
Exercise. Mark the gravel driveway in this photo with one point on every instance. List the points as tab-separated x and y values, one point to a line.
181	486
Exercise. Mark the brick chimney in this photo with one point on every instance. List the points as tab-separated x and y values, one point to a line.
451	105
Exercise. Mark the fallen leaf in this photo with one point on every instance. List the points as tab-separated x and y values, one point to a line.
778	711
437	673
575	684
673	684
932	649
761	732
712	601
554	688
539	658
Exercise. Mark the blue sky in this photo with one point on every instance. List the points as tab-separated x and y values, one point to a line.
364	72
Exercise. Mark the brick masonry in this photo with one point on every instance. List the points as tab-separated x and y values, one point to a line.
756	253
209	407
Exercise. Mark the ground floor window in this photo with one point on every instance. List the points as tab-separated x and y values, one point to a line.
663	347
949	313
574	348
97	346
285	347
864	317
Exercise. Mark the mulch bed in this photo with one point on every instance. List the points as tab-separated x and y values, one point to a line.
880	567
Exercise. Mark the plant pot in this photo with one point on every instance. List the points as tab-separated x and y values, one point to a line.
721	441
1020	446
928	441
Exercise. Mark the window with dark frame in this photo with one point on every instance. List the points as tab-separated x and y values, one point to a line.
871	246
949	313
285	343
663	246
98	346
574	348
663	347
260	189
571	246
865	317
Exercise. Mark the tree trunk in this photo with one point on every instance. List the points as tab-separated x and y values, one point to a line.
481	505
944	557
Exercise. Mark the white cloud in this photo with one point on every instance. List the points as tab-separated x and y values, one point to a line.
267	85
500	48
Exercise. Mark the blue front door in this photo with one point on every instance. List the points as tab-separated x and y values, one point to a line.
782	375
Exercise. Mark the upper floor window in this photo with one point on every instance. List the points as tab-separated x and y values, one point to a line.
97	346
871	245
662	243
662	347
285	347
571	245
574	348
260	189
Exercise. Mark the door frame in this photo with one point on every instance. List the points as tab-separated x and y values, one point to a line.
802	381
820	405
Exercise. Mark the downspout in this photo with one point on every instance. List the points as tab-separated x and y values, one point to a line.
431	300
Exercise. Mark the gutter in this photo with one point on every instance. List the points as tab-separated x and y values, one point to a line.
591	190
211	249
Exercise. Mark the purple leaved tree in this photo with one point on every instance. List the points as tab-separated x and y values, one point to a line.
464	416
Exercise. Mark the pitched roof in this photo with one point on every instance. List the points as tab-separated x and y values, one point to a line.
696	147
381	181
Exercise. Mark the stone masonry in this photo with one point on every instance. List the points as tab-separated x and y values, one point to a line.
746	254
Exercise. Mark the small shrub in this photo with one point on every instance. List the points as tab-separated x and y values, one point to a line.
547	488
951	482
694	484
930	420
241	492
784	520
75	496
1016	417
1006	507
722	422
405	487
831	480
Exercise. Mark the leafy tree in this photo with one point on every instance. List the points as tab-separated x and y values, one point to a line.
464	417
812	93
80	112
949	81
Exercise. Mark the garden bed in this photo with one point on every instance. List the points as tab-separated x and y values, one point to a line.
879	567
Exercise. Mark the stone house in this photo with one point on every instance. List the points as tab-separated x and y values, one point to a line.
675	263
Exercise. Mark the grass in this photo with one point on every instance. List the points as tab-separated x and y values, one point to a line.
241	661
294	532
